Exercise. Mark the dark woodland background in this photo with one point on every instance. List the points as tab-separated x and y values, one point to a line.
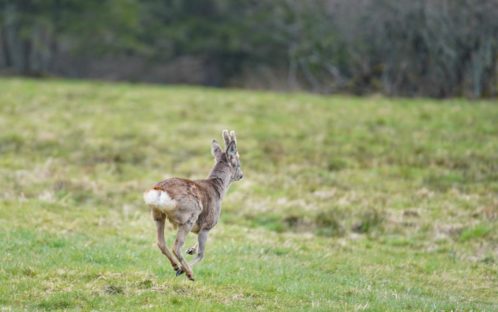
434	48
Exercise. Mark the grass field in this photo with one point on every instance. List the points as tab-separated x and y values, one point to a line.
347	203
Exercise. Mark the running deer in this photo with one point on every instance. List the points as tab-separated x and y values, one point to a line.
194	205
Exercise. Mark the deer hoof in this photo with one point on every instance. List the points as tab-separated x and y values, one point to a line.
179	272
190	277
191	251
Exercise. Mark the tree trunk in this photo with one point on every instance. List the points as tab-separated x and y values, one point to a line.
7	59
26	57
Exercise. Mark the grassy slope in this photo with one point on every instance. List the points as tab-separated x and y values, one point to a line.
348	203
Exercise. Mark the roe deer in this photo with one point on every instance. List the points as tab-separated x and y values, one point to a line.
194	206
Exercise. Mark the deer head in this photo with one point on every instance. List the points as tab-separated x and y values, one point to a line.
230	157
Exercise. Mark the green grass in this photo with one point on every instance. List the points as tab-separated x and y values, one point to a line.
347	203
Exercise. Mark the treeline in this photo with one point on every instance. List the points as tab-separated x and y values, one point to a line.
436	48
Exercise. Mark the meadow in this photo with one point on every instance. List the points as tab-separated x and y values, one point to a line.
348	203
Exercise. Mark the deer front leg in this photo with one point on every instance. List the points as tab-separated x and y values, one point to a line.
162	244
201	238
183	230
192	250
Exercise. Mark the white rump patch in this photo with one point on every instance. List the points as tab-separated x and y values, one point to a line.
159	199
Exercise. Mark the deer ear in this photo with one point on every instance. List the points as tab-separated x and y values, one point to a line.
232	136
232	149
216	150
226	137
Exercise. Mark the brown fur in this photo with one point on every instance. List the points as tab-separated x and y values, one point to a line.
197	200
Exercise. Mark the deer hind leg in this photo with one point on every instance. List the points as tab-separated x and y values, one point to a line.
183	230
202	238
161	243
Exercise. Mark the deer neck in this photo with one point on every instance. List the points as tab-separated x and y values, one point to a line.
221	177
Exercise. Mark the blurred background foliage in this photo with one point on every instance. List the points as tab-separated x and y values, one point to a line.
434	48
